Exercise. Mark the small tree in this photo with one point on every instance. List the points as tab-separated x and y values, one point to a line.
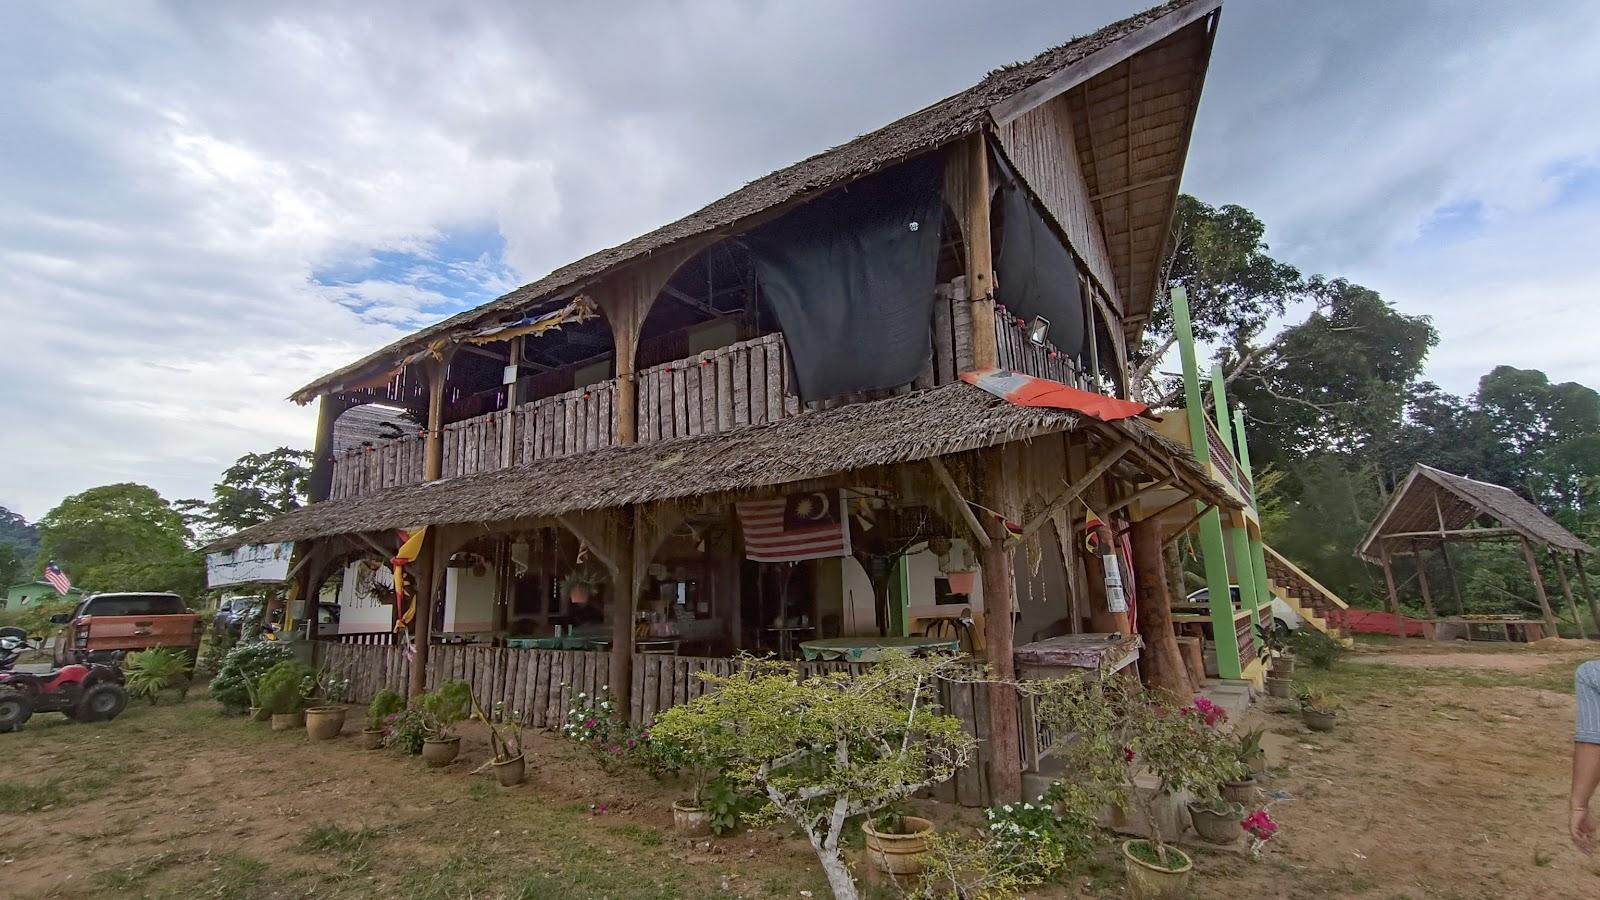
827	748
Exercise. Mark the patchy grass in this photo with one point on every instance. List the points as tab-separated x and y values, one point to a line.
639	834
338	839
32	796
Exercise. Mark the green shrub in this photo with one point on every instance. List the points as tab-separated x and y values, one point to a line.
445	706
1314	648
279	687
152	671
35	617
408	729
245	660
385	704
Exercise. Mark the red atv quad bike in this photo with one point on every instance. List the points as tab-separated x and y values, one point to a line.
92	693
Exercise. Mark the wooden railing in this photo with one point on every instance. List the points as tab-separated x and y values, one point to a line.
747	383
1222	457
542	684
574	422
718	390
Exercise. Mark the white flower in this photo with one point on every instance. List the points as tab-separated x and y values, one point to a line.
1007	807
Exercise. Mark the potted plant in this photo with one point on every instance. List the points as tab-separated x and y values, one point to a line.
279	689
1280	686
1217	819
325	695
897	842
385	704
245	660
506	731
1185	752
445	707
823	749
1319	709
580	587
1247	744
253	691
1276	641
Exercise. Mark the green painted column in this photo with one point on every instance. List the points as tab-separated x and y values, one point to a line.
1212	548
1258	553
1244	571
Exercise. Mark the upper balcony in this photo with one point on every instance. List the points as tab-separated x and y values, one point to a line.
745	382
1223	465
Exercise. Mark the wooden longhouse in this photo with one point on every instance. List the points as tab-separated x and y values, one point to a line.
611	418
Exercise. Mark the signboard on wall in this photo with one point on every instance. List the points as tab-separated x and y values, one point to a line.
249	564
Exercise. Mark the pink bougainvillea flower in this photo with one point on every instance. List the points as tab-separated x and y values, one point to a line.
588	723
1259	825
1127	754
1212	714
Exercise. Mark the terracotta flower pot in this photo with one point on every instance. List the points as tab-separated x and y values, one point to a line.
511	771
371	738
288	721
1149	881
254	714
1242	792
1317	720
1283	666
899	854
438	754
1217	826
323	723
961	582
690	820
1281	688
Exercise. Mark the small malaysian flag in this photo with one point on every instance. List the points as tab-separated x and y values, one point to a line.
57	578
810	525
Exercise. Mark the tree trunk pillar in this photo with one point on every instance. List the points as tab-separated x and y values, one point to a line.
1005	760
1162	663
1588	595
1394	596
422	618
1422	579
1538	589
1566	591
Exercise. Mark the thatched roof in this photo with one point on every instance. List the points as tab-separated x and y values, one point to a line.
1432	500
927	129
908	428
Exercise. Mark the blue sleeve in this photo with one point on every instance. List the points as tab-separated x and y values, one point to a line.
1588	690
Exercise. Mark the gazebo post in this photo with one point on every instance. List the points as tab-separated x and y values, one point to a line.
1583	579
1450	570
1394	597
1422	579
1538	588
1566	591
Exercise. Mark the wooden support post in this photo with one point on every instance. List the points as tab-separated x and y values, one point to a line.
433	447
1162	663
1078	486
1450	571
422	620
625	603
320	485
1566	591
1422	579
1588	595
626	297
974	162
508	427
979	536
1005	762
1538	588
1394	596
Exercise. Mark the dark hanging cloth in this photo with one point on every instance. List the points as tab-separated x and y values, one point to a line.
850	277
1035	273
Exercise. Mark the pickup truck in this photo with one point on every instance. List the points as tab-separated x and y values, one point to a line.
104	627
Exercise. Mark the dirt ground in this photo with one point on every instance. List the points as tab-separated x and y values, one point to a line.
1445	779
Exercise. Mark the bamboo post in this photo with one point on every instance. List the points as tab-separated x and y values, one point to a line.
433	454
1422	579
627	564
1538	588
1394	596
321	483
422	619
508	430
1450	570
1566	591
1588	595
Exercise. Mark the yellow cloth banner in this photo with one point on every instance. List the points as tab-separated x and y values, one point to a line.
410	549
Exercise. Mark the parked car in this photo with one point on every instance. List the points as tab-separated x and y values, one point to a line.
327	623
105	627
1284	618
231	616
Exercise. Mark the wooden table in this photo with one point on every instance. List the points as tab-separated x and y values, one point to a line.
871	649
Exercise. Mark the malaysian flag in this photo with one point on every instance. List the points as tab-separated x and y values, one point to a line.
809	525
57	578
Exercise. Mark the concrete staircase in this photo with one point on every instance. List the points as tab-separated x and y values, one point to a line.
1305	595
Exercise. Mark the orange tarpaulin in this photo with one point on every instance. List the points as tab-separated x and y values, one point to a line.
1026	390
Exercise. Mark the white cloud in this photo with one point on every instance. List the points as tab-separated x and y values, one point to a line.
178	181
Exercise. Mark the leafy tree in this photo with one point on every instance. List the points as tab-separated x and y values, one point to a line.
254	489
13	568
15	530
121	537
1220	258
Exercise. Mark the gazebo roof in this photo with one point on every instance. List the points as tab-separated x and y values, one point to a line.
1432	506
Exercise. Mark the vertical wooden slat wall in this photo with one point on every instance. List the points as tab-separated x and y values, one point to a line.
542	684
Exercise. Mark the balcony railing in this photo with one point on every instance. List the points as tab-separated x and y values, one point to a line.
1222	458
747	383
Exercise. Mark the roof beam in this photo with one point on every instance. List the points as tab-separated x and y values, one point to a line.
1042	92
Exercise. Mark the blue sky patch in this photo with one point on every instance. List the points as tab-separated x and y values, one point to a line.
457	270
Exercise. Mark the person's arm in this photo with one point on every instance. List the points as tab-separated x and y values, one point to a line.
1585	757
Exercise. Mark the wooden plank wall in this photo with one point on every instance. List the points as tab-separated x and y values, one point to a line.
1019	354
472	445
544	683
368	469
746	383
573	422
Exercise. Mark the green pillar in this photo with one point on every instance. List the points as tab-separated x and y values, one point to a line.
1258	553
1244	571
900	598
1212	548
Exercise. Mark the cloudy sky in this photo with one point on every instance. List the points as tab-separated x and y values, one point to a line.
203	206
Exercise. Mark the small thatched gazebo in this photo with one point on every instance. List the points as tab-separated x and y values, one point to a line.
1432	508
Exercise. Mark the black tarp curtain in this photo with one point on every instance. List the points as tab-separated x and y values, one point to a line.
851	276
